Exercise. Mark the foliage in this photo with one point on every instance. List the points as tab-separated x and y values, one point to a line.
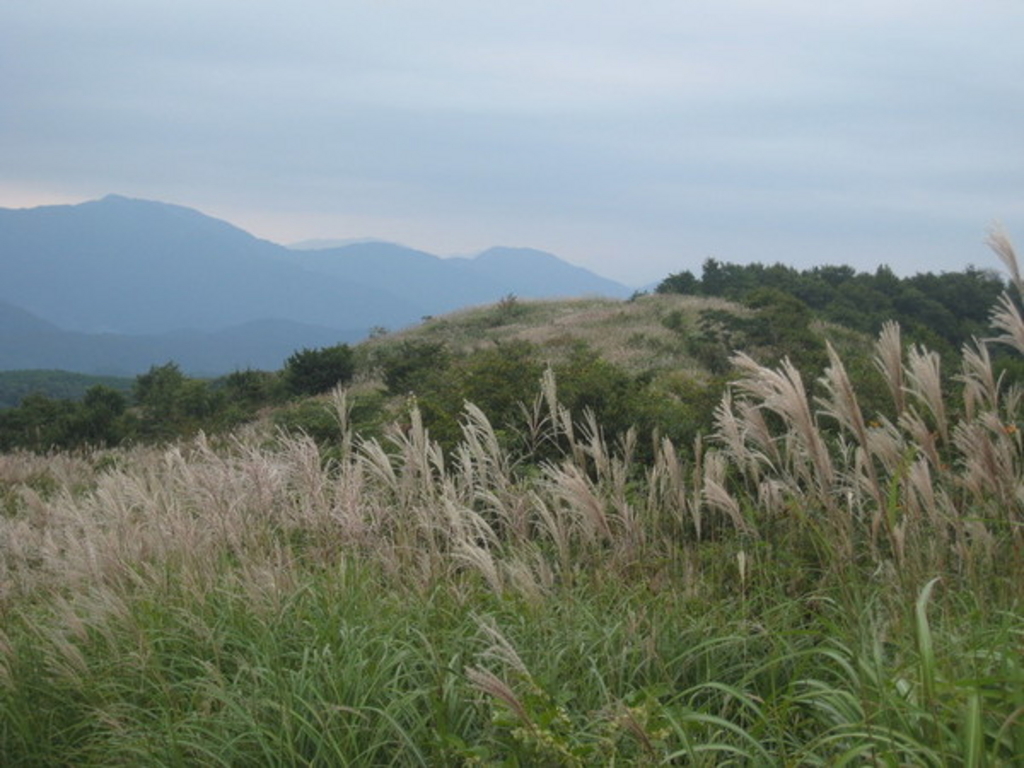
173	404
497	379
164	405
41	423
828	579
945	311
314	371
57	385
318	418
394	603
250	388
409	363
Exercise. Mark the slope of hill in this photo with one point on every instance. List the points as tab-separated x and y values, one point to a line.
116	268
15	320
415	276
640	335
131	266
448	284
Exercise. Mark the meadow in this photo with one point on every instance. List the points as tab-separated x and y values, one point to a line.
806	585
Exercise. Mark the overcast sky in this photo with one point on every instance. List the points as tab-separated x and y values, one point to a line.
633	138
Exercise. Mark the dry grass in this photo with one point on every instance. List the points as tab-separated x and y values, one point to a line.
927	492
936	490
792	496
626	333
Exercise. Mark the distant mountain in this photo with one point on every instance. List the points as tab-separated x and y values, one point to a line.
530	273
132	266
452	283
107	285
15	320
31	344
321	244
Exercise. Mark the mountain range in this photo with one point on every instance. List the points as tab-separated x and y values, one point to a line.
116	285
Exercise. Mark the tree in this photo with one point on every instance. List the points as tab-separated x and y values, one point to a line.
312	371
157	391
98	421
173	404
680	282
410	365
783	323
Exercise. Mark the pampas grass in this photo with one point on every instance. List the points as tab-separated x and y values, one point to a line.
812	588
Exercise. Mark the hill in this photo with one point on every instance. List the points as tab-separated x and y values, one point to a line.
182	284
631	570
642	335
16	385
656	361
447	284
15	320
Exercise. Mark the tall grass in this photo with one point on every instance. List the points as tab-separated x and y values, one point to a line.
819	586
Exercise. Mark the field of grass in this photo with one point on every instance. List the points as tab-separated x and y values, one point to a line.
814	588
634	334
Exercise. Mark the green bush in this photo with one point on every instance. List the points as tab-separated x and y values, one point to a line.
312	371
406	366
173	404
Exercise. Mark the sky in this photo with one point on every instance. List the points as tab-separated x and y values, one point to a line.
633	138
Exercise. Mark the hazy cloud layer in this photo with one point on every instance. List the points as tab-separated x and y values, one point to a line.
635	139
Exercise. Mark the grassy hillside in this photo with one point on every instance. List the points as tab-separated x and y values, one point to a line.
830	576
657	362
777	601
632	334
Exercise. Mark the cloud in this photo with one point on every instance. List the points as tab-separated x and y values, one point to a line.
628	139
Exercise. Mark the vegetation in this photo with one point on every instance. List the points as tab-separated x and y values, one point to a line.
616	358
313	371
58	385
819	581
944	311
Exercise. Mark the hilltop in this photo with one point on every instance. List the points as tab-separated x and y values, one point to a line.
645	334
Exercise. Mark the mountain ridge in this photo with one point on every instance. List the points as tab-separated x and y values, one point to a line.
125	272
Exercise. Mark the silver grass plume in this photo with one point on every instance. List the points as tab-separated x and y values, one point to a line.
981	388
782	391
1006	316
842	405
889	361
924	381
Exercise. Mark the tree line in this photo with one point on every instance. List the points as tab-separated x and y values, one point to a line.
164	404
504	380
942	311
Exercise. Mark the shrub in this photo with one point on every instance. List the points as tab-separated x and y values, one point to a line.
313	371
407	366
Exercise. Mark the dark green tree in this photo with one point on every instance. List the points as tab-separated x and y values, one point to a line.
99	417
172	404
313	371
157	391
411	364
680	282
